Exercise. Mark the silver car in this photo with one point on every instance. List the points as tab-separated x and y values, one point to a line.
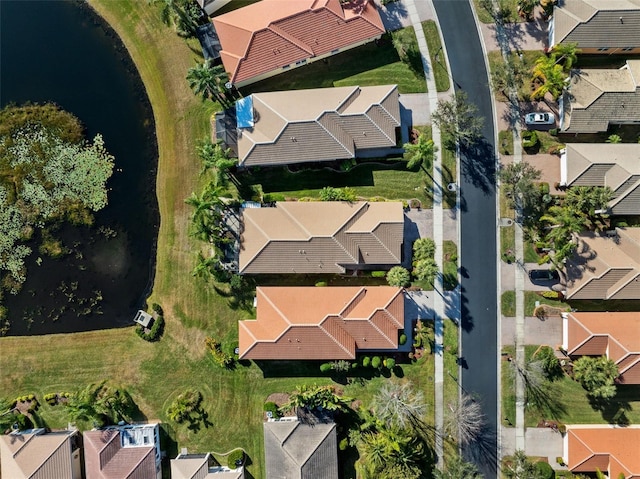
539	119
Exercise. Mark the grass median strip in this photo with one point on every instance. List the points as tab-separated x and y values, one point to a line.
438	61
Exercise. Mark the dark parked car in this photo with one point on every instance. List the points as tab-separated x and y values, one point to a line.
537	275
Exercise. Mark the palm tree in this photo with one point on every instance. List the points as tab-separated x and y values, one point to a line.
520	467
426	270
466	421
457	468
208	80
215	157
399	406
315	397
551	75
182	15
567	53
420	153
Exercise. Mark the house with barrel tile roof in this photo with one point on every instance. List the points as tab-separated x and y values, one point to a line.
273	36
616	166
603	27
322	323
321	237
610	449
323	124
614	335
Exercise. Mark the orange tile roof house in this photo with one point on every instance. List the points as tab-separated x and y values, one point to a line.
323	124
123	452
603	27
610	449
273	36
596	98
35	454
295	450
321	237
604	164
605	266
614	335
322	323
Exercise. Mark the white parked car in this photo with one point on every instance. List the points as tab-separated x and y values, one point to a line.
539	119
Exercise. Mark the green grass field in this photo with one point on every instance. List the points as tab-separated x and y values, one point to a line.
438	63
530	298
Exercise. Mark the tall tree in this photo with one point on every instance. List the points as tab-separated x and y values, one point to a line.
551	75
421	153
399	405
458	119
566	54
426	270
466	421
518	180
183	15
218	159
208	80
597	375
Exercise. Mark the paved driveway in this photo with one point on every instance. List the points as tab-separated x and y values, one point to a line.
540	441
536	331
417	108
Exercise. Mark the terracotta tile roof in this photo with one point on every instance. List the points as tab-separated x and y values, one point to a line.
300	451
113	453
320	237
270	34
597	98
604	267
322	124
322	323
33	454
596	23
611	449
615	335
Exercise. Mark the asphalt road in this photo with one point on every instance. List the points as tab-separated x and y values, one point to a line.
478	230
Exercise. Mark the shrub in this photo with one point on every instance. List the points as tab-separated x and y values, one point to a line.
390	363
341	365
272	408
544	188
403	339
545	471
366	361
551	294
423	248
398	276
376	362
157	309
235	458
553	132
273	197
222	359
51	399
550	364
560	460
184	405
529	139
378	274
325	367
154	334
321	283
344	443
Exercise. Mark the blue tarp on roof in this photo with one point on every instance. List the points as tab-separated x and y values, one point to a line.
244	112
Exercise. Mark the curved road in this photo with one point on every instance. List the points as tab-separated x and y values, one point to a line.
478	230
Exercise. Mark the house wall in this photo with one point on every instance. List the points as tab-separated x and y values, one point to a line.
300	63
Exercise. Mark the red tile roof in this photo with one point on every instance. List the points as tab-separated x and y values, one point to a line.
267	35
322	323
615	335
611	449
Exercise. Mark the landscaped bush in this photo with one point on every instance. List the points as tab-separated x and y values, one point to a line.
235	458
273	197
550	364
551	294
366	362
51	399
184	406
325	367
376	362
344	444
423	248
529	139
398	276
155	333
222	359
378	274
157	309
545	471
403	339
390	363
321	283
272	408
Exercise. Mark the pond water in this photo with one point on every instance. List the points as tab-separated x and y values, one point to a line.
62	52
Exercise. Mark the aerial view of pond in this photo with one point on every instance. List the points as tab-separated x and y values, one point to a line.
62	52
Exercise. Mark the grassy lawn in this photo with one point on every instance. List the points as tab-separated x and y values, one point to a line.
440	72
449	174
505	138
155	373
530	255
451	388
508	399
530	298
370	64
510	8
574	404
450	265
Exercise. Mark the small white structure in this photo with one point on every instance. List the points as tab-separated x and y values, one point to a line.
143	318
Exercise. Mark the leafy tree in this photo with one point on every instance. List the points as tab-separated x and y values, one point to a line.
567	54
218	159
398	276
458	119
519	184
549	362
423	248
519	466
329	193
425	270
506	76
597	375
399	405
526	7
208	81
552	76
421	153
466	421
457	468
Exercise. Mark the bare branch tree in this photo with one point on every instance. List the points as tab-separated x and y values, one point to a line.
398	405
466	420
